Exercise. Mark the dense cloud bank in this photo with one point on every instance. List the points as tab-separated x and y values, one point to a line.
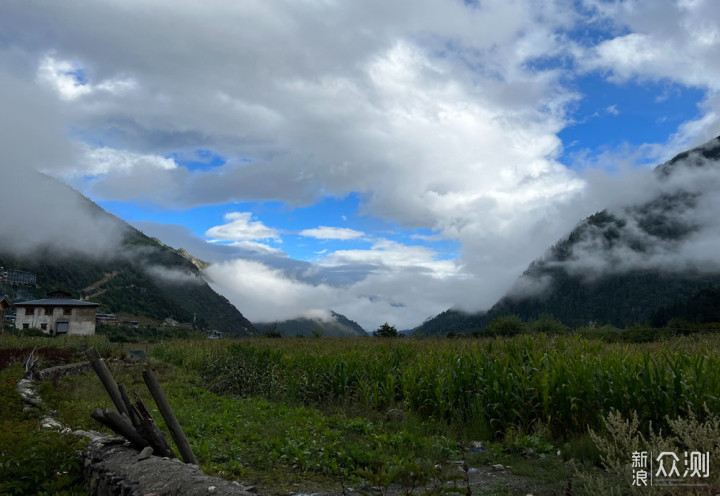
444	116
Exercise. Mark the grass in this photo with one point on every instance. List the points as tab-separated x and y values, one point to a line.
33	460
317	412
258	439
480	388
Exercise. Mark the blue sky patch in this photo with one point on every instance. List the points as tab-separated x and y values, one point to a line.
200	159
610	115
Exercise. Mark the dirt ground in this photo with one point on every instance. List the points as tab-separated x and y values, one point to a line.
483	481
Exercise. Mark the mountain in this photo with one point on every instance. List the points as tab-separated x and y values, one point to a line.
621	265
702	307
335	326
72	244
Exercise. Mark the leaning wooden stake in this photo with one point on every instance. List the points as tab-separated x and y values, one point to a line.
150	431
132	412
173	425
120	424
103	372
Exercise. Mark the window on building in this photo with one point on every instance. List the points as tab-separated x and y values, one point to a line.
26	326
67	311
43	327
48	310
29	311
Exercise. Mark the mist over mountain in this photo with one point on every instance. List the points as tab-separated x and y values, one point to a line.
70	243
622	264
325	324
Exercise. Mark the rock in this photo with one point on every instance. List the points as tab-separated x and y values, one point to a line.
395	415
145	453
476	447
138	355
51	423
498	467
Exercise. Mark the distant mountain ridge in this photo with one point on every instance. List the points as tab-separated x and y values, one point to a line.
134	275
619	266
337	326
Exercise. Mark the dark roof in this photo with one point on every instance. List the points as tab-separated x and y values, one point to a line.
58	293
56	302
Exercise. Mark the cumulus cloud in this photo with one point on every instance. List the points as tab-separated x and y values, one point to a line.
241	228
390	255
265	293
268	294
441	116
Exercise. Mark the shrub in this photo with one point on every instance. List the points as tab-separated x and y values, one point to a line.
386	331
547	324
622	436
507	325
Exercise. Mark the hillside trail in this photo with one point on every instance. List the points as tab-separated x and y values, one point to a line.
89	290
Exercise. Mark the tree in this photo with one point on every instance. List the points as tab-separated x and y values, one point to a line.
386	331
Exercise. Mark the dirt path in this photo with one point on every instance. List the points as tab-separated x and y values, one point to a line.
483	481
97	284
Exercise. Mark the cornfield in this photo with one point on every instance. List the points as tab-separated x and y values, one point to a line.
564	383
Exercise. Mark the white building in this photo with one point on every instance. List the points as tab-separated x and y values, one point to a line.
58	314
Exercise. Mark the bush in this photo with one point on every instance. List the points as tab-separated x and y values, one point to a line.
507	325
386	331
28	333
547	324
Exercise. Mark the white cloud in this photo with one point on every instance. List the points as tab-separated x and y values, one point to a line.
259	248
325	232
389	255
105	160
436	114
176	276
267	294
251	286
67	78
241	227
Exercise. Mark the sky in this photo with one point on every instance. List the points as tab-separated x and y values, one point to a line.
386	160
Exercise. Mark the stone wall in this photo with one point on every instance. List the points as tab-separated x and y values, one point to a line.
62	371
118	470
113	468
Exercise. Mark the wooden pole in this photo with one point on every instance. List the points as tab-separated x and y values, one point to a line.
120	424
166	411
150	431
103	372
134	417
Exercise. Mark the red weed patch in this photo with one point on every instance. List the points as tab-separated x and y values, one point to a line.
54	356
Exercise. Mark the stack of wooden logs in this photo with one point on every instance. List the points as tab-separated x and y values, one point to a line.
134	421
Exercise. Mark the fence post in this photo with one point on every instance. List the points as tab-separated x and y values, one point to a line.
170	420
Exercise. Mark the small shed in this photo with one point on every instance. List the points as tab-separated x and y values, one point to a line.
58	314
